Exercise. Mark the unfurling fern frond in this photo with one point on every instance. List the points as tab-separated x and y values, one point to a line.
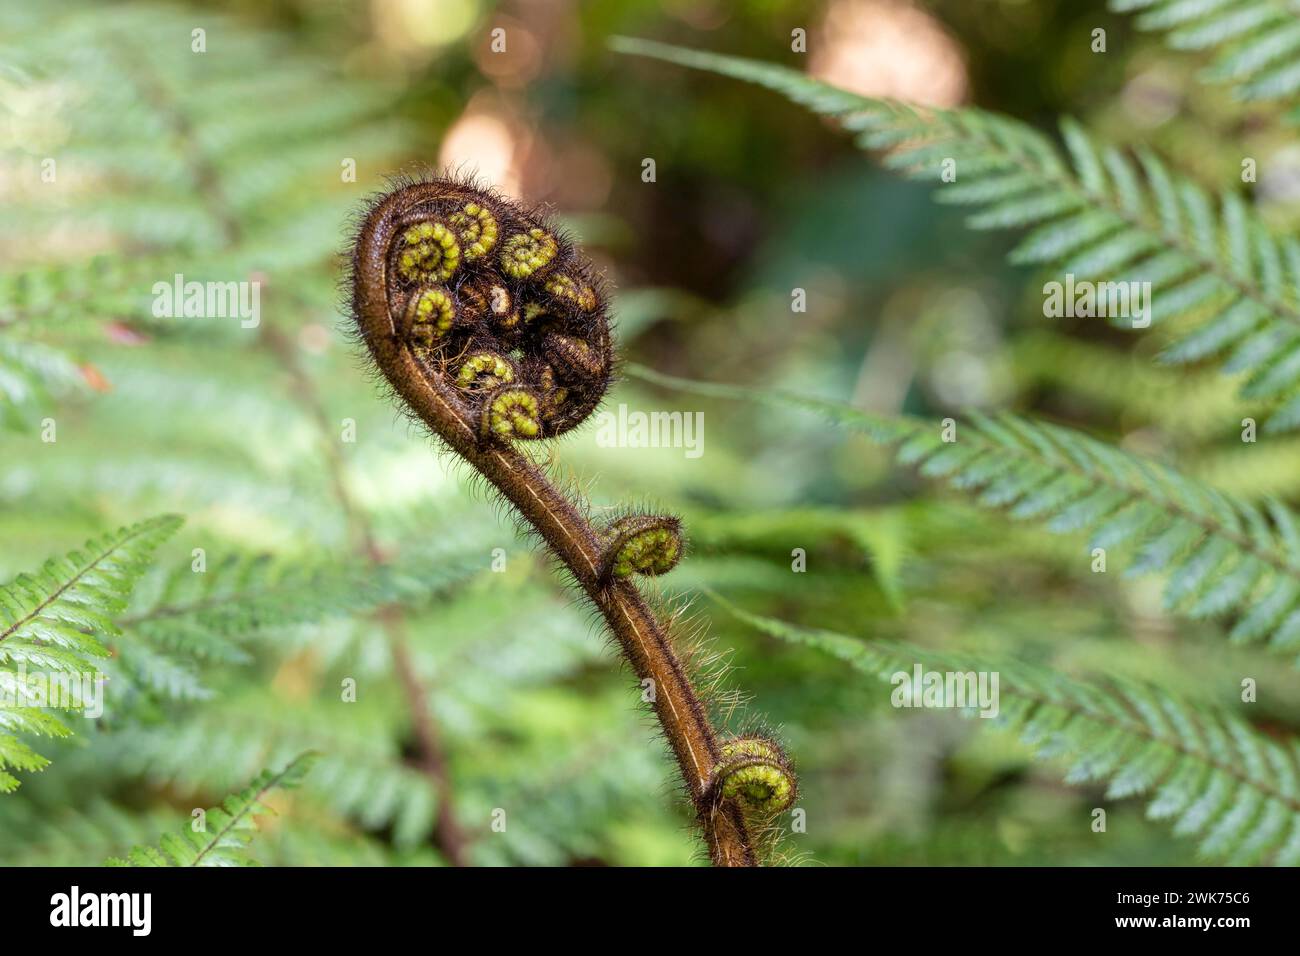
516	349
53	623
1256	42
1221	554
1209	772
220	835
1096	218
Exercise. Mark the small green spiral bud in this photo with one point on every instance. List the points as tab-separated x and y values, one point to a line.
485	370
642	544
492	328
429	316
427	252
573	291
512	411
476	229
755	774
487	295
527	252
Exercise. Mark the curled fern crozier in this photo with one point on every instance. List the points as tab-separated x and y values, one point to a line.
642	544
457	293
755	773
492	330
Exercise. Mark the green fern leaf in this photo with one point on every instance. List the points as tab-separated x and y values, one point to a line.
1097	219
1207	772
245	597
55	621
83	833
190	180
1221	554
1256	43
225	831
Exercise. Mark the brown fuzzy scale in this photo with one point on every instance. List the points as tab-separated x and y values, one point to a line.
456	418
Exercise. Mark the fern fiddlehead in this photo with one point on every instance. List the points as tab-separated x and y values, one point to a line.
755	773
527	354
642	544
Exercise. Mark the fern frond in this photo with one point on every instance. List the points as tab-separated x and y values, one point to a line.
225	831
55	621
817	96
1256	43
1210	773
1221	554
31	375
163	170
82	833
204	183
361	772
1096	218
142	671
243	597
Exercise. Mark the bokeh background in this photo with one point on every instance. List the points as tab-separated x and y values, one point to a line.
226	165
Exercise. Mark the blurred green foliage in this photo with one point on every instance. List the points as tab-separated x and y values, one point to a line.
226	166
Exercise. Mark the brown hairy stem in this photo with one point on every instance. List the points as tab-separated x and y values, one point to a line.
566	531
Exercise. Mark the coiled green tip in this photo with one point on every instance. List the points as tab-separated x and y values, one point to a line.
512	412
754	773
572	291
427	252
429	316
476	228
486	294
643	544
527	252
485	370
